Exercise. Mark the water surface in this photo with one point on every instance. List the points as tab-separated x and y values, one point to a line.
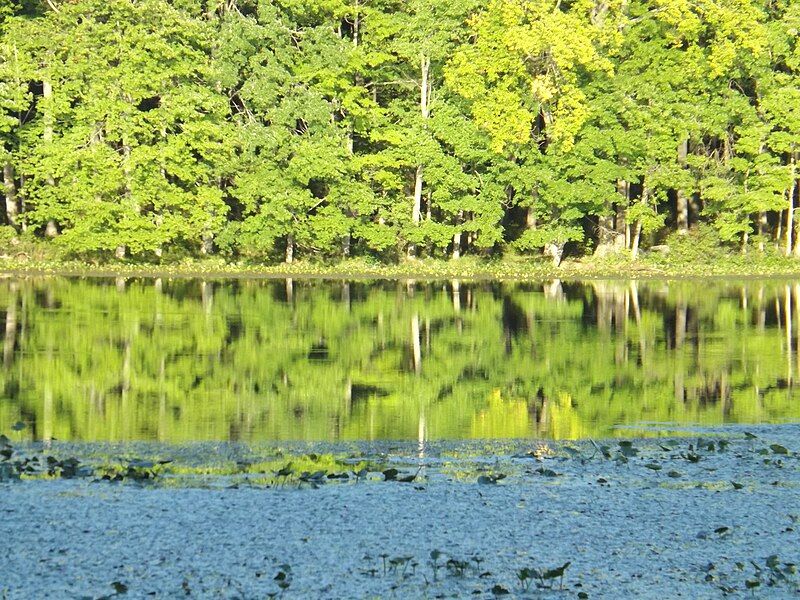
270	360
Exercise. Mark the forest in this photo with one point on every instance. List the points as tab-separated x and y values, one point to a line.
284	130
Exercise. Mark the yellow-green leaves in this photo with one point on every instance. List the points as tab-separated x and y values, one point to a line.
524	65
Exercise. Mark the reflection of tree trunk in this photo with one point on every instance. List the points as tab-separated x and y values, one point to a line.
126	372
762	310
680	324
10	339
788	318
725	393
603	308
121	284
678	384
162	401
456	295
637	315
207	296
346	295
47	415
410	287
422	433
612	305
416	344
381	332
554	291
289	290
797	314
428	336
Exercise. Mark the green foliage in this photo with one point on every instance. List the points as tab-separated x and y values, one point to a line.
157	130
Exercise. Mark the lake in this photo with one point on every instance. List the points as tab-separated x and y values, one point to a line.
178	360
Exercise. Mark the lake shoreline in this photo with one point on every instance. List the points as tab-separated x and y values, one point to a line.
422	270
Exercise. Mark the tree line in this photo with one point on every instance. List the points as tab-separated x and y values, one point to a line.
273	130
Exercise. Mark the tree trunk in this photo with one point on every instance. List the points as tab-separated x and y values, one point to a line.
790	211
530	217
556	251
207	244
457	236
12	209
356	24
289	249
620	225
51	230
425	88
762	226
605	230
346	243
682	203
637	234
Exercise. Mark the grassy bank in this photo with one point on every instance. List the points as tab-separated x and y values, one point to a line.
694	255
516	268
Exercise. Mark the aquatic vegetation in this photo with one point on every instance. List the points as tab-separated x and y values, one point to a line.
771	573
520	487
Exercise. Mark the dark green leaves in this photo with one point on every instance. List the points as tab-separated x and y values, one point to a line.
627	449
119	587
490	479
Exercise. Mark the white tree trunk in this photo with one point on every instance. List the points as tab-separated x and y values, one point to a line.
289	249
425	88
682	204
12	209
51	230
